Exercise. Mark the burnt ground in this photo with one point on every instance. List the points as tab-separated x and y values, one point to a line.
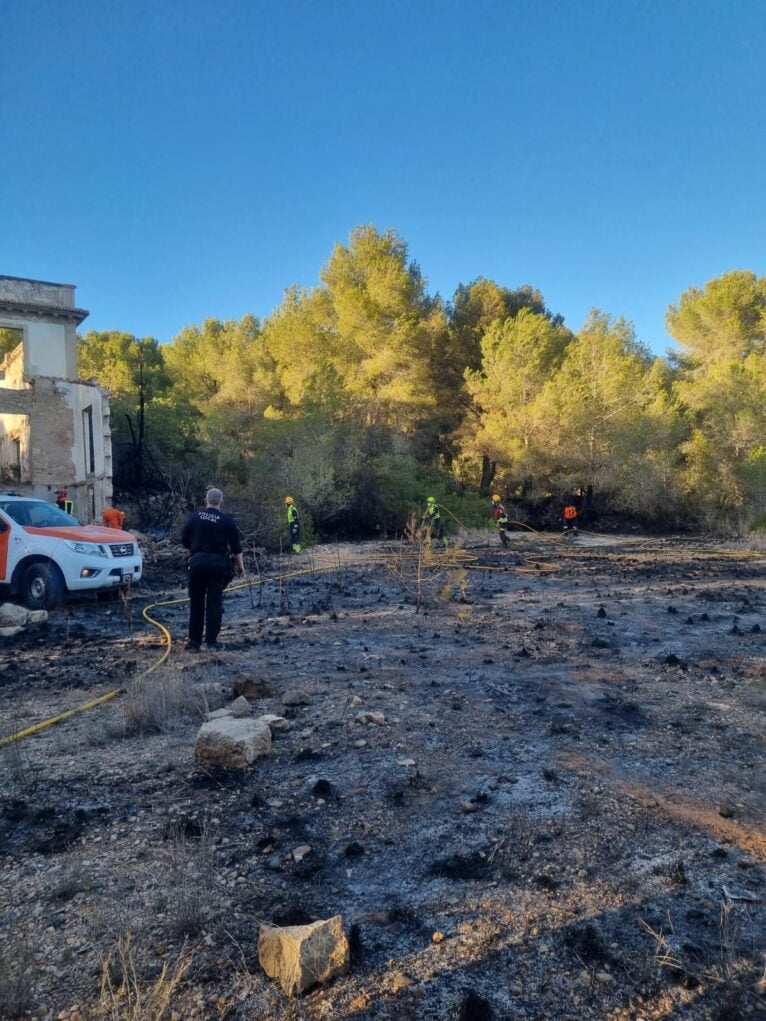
561	816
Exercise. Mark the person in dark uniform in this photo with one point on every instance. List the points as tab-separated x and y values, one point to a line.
210	536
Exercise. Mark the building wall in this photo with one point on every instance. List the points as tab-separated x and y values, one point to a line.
42	403
37	292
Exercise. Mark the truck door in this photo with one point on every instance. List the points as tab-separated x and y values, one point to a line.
5	534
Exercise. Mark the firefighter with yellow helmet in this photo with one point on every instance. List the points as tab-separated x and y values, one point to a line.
293	524
502	521
434	526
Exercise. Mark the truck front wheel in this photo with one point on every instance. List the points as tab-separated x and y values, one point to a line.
42	587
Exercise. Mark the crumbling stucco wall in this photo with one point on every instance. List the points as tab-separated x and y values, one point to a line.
61	423
60	413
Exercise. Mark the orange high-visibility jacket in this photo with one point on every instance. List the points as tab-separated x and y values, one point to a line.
570	512
113	518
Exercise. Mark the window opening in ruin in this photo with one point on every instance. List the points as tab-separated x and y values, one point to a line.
10	338
14	441
90	450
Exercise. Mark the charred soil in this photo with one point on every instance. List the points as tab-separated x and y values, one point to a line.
531	783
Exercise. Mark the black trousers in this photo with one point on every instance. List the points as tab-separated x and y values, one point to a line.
436	527
207	578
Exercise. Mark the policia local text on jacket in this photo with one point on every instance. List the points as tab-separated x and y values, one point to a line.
209	535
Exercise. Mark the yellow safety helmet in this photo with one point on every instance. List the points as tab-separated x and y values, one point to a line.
289	500
496	498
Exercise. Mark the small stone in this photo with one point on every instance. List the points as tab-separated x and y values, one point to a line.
277	724
252	687
400	981
238	709
370	717
294	696
301	956
300	852
406	762
361	743
325	790
605	978
356	700
437	937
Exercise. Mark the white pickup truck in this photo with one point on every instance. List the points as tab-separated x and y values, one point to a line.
45	553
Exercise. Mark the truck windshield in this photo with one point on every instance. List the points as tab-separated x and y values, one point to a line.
37	514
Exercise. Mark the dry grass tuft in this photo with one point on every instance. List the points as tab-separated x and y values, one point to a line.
16	982
159	702
190	870
125	996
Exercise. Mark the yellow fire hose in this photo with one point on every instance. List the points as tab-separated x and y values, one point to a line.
168	645
453	557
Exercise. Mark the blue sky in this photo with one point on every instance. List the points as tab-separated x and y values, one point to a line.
180	159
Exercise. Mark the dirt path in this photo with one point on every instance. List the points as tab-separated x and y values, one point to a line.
561	816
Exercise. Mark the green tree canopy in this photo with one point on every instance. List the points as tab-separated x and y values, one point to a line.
123	363
724	320
519	356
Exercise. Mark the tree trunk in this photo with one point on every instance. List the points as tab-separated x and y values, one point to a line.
488	469
141	426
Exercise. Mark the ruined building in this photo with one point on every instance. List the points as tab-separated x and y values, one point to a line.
54	429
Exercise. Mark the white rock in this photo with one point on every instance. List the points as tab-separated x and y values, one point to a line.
230	743
300	956
12	615
14	618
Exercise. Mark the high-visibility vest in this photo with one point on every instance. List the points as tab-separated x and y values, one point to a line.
570	513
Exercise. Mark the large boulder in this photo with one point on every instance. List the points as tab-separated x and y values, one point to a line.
300	956
231	743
